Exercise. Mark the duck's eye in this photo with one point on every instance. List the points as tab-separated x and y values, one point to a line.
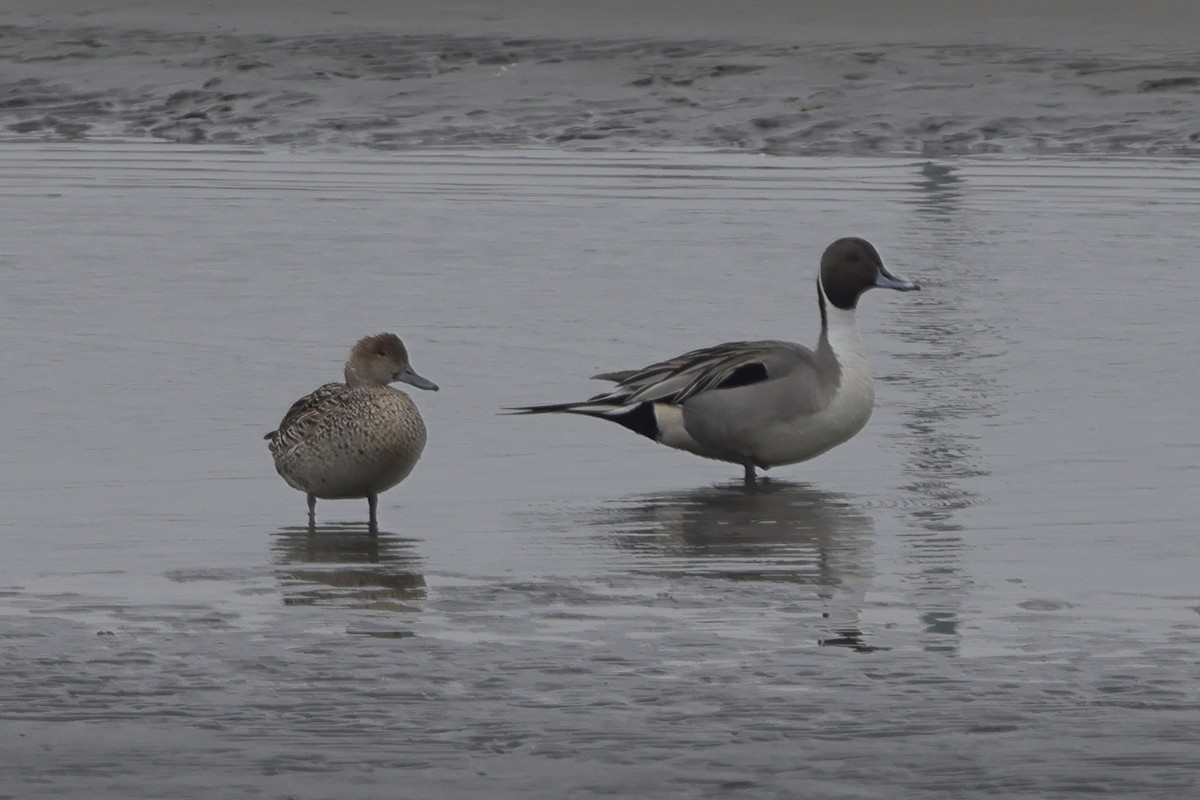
381	352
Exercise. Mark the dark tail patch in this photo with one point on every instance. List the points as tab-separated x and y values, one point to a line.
639	418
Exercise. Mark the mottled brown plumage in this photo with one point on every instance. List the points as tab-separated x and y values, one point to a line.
358	438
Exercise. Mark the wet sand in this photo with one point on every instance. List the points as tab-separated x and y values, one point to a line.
932	79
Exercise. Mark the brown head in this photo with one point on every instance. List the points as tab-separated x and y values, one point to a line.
382	359
850	267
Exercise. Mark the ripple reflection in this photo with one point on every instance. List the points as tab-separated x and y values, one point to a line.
773	531
951	372
347	565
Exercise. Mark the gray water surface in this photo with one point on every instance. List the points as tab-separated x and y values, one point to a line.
991	590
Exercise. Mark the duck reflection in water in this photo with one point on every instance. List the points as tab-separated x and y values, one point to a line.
348	565
772	531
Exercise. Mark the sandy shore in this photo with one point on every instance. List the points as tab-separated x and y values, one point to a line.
931	78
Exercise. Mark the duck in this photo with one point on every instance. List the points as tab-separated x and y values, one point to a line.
355	439
760	404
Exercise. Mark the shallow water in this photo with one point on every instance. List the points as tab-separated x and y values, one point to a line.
991	590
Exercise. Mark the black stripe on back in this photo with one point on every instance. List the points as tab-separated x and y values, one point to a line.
745	375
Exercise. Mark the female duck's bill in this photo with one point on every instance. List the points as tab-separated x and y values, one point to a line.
758	403
358	438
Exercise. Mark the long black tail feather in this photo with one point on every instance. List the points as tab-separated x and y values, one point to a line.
638	418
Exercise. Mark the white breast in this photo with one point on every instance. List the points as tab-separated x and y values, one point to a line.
802	438
808	436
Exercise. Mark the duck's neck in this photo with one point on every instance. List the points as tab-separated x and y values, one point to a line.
354	376
839	332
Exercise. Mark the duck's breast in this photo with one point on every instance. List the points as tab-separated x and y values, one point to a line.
363	442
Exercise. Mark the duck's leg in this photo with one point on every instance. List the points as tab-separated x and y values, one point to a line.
372	503
312	509
749	477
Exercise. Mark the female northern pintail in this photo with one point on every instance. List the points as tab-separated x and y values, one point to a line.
358	438
759	404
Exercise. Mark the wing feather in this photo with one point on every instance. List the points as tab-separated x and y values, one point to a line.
306	414
687	375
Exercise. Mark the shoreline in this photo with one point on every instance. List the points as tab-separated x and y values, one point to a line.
506	77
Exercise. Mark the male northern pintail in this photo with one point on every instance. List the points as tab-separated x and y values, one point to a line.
759	404
358	438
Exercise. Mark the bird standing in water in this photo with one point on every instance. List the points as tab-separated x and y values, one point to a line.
358	438
760	404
